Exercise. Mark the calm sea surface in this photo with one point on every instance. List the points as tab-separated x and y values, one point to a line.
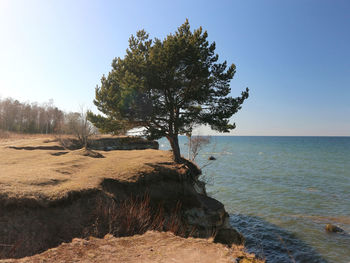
281	192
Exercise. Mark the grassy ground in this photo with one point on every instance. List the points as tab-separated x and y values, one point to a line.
38	168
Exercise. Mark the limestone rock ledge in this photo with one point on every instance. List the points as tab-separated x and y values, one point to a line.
123	143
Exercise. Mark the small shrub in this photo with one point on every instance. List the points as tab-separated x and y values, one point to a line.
79	126
195	145
134	216
69	143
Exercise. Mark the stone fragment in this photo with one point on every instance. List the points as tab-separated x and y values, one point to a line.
333	228
229	236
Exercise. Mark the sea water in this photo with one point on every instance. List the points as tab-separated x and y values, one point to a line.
280	193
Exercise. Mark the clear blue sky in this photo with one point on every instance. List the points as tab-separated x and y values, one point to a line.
294	55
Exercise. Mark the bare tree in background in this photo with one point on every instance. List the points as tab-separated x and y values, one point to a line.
80	127
196	144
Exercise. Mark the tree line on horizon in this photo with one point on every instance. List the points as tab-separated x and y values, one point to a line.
35	118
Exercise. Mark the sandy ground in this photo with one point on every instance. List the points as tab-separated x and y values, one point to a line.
152	247
39	169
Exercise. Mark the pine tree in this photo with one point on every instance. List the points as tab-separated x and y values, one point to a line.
168	87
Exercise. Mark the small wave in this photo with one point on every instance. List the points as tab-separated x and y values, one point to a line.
311	189
208	153
217	153
325	219
273	243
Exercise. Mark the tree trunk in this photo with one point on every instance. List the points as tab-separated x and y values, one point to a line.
189	138
174	143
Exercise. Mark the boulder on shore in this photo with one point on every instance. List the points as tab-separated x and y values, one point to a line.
229	236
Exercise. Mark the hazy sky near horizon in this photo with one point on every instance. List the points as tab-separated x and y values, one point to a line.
294	55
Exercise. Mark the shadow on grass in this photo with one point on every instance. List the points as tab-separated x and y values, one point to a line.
273	243
31	148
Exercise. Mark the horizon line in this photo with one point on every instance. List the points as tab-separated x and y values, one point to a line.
231	135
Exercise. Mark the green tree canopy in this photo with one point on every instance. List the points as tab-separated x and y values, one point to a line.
168	87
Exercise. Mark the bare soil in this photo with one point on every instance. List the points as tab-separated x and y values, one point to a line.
148	248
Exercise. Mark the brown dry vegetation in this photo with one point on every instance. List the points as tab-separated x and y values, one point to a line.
13	136
147	248
38	176
42	170
135	215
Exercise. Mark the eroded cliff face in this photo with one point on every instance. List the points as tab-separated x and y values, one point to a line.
179	191
176	192
60	197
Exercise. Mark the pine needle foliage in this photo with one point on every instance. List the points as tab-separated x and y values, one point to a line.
168	87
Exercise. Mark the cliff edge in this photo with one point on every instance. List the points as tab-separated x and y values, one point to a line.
50	195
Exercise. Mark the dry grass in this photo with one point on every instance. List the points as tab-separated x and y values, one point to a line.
134	216
37	169
151	247
6	136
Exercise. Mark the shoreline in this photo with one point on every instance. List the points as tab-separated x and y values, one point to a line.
58	210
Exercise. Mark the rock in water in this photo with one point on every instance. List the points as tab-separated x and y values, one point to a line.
333	229
229	236
211	158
